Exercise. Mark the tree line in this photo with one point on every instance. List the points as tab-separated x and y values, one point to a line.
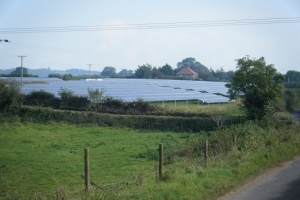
166	71
18	72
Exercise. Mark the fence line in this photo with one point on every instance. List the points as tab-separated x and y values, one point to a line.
157	170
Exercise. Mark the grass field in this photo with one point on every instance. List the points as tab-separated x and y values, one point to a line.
194	106
39	159
45	161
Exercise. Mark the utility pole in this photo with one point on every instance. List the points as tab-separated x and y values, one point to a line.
89	69
22	68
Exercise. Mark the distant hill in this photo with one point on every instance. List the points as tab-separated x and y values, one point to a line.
44	72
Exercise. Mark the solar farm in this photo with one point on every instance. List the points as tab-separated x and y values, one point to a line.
132	89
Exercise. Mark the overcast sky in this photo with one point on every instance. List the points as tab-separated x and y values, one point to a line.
213	46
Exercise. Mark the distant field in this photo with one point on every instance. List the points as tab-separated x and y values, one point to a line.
230	108
40	159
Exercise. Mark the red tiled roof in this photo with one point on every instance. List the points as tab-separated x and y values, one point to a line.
186	71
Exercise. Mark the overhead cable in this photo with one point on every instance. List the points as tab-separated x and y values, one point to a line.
200	24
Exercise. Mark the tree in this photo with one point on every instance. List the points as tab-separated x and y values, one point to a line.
167	70
67	77
196	66
55	75
109	71
125	72
193	64
18	71
292	76
144	71
259	86
156	73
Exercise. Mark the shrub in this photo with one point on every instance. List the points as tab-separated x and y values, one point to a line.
112	103
10	95
140	106
68	100
42	98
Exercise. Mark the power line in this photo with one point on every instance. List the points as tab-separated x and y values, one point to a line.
200	24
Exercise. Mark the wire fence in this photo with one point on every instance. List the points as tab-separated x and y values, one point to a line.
69	173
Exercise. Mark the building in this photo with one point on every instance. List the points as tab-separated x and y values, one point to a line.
187	72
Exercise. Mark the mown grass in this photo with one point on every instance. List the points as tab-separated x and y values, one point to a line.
194	106
45	161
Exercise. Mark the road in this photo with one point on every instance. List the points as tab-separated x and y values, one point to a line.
282	183
296	116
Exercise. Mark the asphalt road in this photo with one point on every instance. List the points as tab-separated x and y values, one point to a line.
282	183
296	116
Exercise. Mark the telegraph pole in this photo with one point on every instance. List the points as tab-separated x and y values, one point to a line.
89	69
22	68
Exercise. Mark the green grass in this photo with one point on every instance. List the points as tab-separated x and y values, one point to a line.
45	161
42	158
193	106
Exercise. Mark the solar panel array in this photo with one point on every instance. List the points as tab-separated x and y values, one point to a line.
131	89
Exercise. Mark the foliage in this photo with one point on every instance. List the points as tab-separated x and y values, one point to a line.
96	96
18	71
55	75
110	103
149	122
125	73
156	73
259	86
42	98
67	77
144	71
167	70
193	64
292	99
109	72
71	101
10	95
292	76
292	85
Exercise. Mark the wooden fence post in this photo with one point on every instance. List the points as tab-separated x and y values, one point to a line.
206	153
234	140
86	171
160	166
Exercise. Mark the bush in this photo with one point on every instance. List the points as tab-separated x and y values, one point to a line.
110	103
42	98
10	95
140	106
292	99
71	101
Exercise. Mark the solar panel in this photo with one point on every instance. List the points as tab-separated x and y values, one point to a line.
131	89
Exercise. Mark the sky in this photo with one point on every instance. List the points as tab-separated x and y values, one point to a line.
142	35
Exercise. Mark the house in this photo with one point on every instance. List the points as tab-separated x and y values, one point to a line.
187	72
